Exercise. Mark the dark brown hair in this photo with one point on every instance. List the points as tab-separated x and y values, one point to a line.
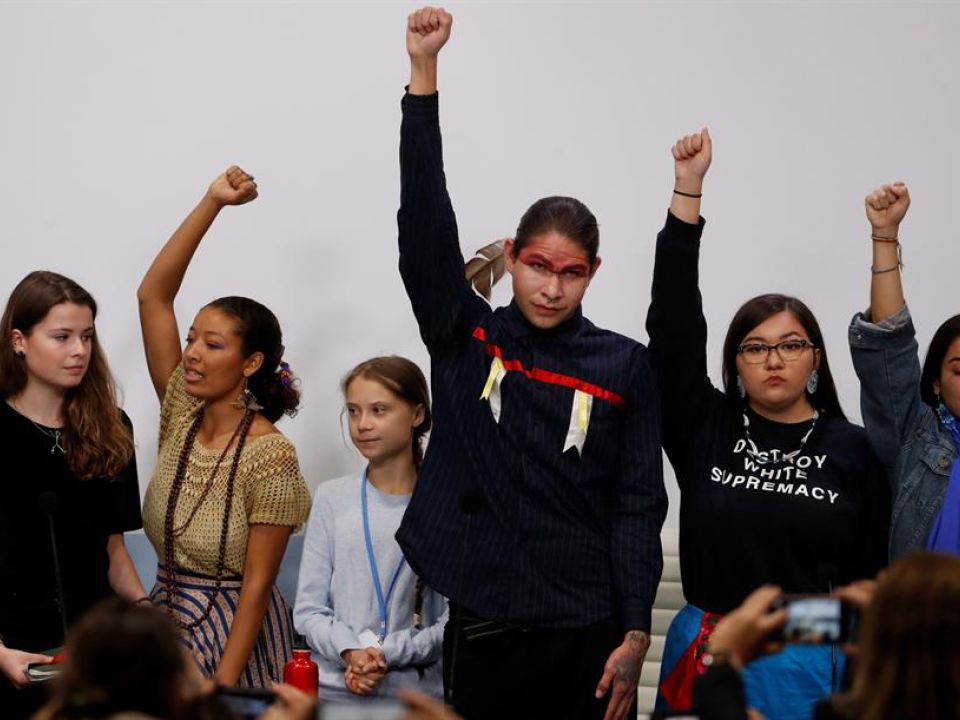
755	311
404	379
933	363
120	657
908	667
259	331
564	215
96	441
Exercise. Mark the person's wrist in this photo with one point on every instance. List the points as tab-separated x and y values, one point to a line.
212	202
720	656
423	62
688	185
885	231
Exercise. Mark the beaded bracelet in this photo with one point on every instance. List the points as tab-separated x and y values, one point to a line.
887	239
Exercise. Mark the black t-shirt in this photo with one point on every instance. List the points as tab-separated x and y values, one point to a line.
817	519
35	486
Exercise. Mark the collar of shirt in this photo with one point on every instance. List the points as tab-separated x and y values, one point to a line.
519	327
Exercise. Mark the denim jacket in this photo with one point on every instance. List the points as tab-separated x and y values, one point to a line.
904	431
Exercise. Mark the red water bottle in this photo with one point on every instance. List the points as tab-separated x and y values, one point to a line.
302	672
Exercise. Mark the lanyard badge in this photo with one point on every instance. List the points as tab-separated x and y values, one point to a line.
382	601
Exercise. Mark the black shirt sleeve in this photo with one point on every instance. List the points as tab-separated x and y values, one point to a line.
678	335
431	263
124	496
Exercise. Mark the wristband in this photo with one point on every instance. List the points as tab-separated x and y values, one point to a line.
885	239
709	659
884	270
686	194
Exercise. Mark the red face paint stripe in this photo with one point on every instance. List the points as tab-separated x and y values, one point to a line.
546	376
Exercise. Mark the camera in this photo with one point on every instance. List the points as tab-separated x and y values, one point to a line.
818	619
246	703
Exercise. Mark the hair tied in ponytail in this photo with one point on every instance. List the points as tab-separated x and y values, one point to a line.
287	377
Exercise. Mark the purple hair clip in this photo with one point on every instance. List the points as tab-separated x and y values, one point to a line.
286	374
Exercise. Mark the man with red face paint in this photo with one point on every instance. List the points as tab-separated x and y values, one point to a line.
539	504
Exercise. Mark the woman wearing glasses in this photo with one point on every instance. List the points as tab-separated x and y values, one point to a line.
776	486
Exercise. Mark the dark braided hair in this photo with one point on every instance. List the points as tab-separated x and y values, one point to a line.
170	533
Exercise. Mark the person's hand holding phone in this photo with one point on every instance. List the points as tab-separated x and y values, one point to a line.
751	629
858	594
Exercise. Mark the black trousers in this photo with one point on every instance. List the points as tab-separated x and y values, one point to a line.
503	672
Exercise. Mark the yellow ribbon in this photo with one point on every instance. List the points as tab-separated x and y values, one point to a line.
584	416
496	367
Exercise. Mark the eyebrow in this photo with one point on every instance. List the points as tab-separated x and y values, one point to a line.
757	338
91	328
537	256
206	333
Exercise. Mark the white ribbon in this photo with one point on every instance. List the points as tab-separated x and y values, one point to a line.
491	389
579	421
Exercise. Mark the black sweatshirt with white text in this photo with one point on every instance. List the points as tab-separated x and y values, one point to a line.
817	520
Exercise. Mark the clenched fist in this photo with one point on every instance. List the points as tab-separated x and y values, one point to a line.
886	207
691	160
234	187
428	30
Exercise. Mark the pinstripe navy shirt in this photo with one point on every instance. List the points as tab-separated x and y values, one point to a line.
502	520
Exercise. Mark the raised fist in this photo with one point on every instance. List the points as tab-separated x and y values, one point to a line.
234	187
428	30
691	160
887	205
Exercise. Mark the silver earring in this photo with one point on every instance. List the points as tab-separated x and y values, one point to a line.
813	382
740	388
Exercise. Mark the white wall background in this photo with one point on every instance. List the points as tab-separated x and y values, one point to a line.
115	116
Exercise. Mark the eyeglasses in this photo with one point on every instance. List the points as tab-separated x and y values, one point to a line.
788	350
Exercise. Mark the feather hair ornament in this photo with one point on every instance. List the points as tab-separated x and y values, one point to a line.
486	267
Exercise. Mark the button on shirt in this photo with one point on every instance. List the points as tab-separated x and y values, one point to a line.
503	520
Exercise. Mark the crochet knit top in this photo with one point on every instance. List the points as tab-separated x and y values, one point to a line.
268	489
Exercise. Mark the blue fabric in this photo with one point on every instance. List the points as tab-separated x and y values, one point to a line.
784	686
904	431
945	535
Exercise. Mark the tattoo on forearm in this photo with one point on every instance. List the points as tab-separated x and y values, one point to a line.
628	668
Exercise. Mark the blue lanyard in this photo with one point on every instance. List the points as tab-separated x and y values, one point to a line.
381	601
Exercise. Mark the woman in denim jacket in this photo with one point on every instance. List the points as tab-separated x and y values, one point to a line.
910	416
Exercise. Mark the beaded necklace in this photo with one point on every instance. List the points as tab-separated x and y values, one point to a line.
170	533
773	457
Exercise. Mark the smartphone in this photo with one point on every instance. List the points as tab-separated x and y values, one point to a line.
246	702
373	709
819	619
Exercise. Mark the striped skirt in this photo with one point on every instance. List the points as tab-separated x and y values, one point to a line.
207	640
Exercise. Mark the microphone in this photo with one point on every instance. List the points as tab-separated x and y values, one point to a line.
470	503
48	502
827	574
